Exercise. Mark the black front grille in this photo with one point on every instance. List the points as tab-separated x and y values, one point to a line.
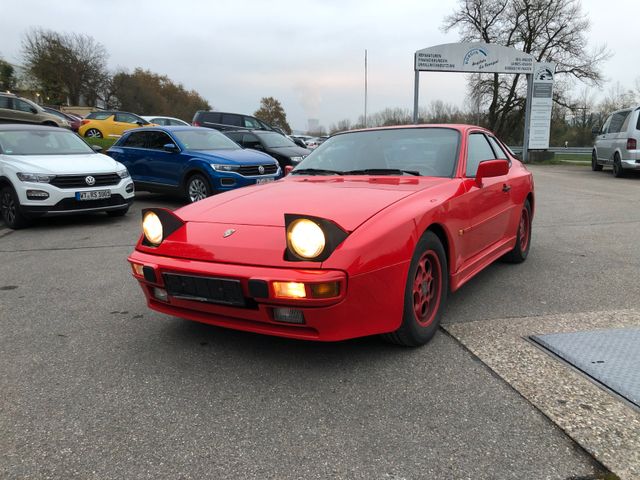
79	181
253	170
205	289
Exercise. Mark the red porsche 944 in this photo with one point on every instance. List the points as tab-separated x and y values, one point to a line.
367	235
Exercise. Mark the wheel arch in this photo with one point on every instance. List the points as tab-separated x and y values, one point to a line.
443	236
189	172
5	182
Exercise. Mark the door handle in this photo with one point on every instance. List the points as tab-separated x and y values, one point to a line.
506	188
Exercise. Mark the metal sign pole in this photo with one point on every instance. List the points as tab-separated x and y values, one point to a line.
527	119
416	86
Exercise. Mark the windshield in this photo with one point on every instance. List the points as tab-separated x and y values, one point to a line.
205	139
43	142
427	151
274	140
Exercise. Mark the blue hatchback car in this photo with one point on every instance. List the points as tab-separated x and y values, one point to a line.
191	161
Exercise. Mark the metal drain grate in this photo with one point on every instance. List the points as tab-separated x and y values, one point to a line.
611	357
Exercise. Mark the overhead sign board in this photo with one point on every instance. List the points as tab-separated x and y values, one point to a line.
475	57
541	106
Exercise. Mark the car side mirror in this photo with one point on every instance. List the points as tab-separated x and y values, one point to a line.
96	148
595	131
491	168
288	169
139	123
171	148
33	109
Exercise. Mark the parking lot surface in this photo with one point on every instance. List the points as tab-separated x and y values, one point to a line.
95	385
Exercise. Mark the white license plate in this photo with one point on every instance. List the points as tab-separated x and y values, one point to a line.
93	195
260	181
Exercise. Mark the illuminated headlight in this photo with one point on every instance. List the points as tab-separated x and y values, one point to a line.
306	238
152	228
123	173
224	168
295	160
35	177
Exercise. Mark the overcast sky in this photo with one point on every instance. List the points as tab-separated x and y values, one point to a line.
307	54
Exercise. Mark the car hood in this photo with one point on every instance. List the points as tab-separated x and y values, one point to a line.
249	157
289	151
64	164
347	201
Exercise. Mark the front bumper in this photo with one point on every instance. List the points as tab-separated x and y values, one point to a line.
64	200
368	304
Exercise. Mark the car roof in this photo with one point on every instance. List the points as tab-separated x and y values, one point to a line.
15	127
172	128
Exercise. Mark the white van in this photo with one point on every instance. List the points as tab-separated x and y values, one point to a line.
616	143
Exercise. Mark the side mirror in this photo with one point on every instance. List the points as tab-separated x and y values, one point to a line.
491	168
595	131
171	148
139	123
288	169
255	146
96	148
33	109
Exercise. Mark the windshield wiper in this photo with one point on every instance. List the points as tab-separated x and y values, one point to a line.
316	171
381	171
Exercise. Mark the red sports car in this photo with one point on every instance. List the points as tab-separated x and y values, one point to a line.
367	235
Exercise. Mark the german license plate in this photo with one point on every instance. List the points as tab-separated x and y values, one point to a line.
260	181
93	195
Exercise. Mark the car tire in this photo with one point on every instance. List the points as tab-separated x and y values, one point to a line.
523	237
93	133
197	188
618	171
10	209
118	213
595	166
425	293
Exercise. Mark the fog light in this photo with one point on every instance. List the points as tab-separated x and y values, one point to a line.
288	315
227	182
325	290
129	188
37	195
289	290
160	294
137	269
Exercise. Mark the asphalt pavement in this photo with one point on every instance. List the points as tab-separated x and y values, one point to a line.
93	385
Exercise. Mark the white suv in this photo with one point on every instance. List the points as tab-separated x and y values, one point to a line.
617	142
48	170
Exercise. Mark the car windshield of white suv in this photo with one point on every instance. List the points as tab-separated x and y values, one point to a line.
201	139
43	142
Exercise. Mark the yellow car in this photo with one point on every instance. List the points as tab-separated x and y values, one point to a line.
106	124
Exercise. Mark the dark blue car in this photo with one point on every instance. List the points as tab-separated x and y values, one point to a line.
191	161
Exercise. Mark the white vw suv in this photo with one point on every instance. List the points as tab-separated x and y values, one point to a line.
48	170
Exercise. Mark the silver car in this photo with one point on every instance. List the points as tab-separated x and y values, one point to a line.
616	143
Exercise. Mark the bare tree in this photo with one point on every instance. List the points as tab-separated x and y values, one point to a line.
271	112
66	65
550	30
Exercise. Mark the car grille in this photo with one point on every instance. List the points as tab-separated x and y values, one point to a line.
78	181
252	170
205	289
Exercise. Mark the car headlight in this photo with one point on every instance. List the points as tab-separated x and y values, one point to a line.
225	168
158	224
311	238
296	159
306	238
123	173
35	177
152	228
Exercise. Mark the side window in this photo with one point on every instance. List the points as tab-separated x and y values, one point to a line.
236	137
605	126
5	102
478	149
251	123
136	140
21	105
212	117
231	119
638	122
157	140
497	148
617	120
249	140
126	118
